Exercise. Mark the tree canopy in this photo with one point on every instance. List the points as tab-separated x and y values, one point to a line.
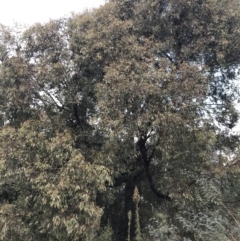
116	124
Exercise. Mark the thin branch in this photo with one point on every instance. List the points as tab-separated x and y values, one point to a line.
234	239
231	214
233	162
169	57
48	94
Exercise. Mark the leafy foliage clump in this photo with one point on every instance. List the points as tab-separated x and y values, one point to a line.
54	185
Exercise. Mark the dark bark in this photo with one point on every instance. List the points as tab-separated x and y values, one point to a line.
129	206
147	160
75	109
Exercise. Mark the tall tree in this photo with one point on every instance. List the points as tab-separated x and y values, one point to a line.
167	87
133	94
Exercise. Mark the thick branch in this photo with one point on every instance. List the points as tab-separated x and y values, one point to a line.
157	192
147	160
75	109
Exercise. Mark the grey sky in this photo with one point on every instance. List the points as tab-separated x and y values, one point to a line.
31	11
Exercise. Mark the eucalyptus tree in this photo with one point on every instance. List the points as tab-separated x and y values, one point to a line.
133	94
165	105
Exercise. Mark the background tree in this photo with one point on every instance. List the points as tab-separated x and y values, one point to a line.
45	178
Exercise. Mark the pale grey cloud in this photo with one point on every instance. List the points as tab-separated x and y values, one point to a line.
31	11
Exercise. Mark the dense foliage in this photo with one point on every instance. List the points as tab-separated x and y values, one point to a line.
116	124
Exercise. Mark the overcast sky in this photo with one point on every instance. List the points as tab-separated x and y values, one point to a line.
31	11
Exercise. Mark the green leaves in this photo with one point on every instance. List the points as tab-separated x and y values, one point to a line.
54	179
